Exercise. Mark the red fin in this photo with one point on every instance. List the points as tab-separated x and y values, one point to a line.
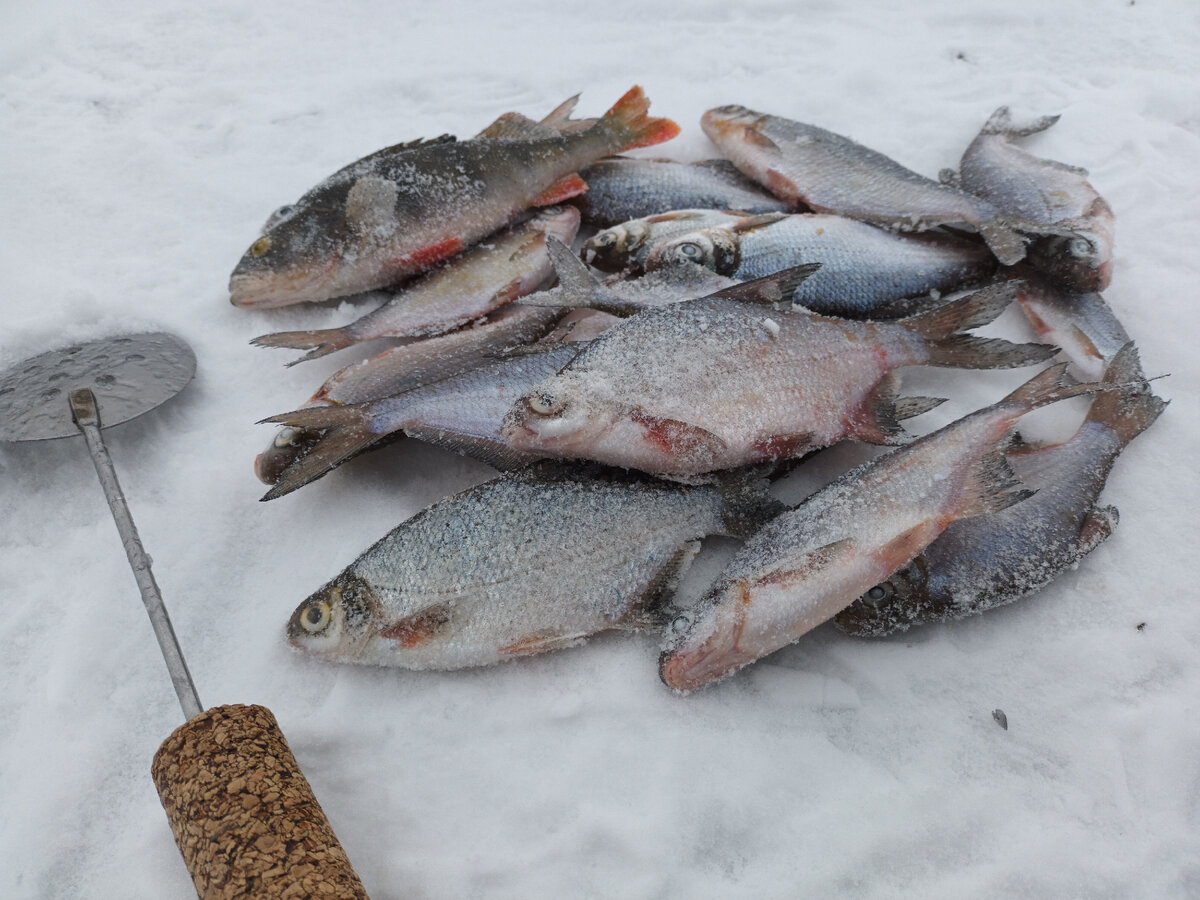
416	629
430	256
564	189
678	438
630	114
783	187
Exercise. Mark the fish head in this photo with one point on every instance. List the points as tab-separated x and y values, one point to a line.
289	445
612	249
904	599
573	417
560	221
716	249
1078	251
337	621
295	260
339	239
731	123
703	644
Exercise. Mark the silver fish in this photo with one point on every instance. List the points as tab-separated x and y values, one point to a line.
404	209
517	566
1082	324
984	562
1076	242
403	368
461	412
624	247
623	188
578	288
865	270
811	562
807	165
508	265
725	381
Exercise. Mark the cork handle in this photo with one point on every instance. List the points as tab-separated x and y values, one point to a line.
244	816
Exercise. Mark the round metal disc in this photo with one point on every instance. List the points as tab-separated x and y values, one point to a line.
129	374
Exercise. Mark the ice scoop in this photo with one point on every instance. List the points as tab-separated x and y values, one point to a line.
243	814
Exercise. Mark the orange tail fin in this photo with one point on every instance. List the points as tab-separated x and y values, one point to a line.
629	114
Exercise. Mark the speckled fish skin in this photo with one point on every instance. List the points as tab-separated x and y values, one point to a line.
864	271
508	265
404	209
1082	324
461	412
809	563
513	567
625	247
826	172
985	562
624	188
717	383
405	367
1078	249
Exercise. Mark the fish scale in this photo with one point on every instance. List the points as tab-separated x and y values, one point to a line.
718	382
865	270
513	566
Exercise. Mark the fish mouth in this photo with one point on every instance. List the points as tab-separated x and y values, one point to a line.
688	666
254	286
270	290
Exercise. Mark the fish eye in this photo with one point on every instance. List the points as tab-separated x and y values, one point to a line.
1079	247
285	210
287	437
604	240
690	251
877	595
315	617
261	246
681	623
544	404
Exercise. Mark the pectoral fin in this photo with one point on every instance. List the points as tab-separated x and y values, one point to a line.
418	628
542	643
811	563
679	438
1097	527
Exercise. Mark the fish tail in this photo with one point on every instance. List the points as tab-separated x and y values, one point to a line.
1133	408
965	351
1001	122
345	431
746	505
319	343
942	329
628	119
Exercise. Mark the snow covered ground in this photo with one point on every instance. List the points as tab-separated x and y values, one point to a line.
144	144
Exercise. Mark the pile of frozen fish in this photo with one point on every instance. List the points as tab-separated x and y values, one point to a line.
753	309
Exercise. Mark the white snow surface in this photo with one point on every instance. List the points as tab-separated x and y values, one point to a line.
144	145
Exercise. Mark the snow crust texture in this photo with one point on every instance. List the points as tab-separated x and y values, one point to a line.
145	144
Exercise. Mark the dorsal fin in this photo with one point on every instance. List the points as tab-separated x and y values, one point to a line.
775	288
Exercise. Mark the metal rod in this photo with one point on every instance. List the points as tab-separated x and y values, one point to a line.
87	417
